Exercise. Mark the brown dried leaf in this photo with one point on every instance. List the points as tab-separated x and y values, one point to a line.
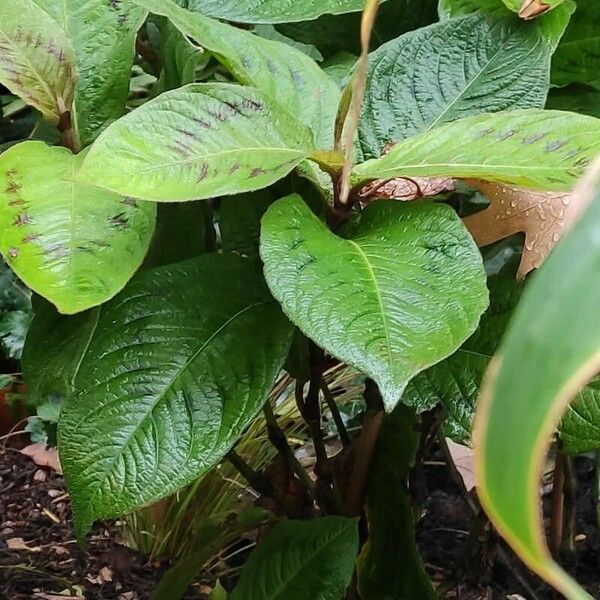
542	216
464	462
532	8
43	456
18	543
405	188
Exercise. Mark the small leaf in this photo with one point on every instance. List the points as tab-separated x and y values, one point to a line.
449	71
175	369
577	58
273	11
199	141
102	34
580	427
36	59
301	560
62	238
284	74
400	293
389	564
549	352
542	216
540	149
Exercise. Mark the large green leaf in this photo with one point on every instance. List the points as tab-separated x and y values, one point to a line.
542	149
577	58
102	34
400	292
451	70
390	566
176	368
36	58
62	238
283	73
549	352
199	141
273	11
518	5
301	560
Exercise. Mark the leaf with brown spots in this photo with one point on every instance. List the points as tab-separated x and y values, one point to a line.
541	216
75	244
198	141
539	149
36	59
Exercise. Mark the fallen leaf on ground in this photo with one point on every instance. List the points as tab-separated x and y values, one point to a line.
19	543
542	216
43	456
463	461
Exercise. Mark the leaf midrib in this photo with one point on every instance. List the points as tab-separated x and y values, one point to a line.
166	388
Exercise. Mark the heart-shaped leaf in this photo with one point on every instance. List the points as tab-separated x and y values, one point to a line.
102	35
199	141
450	70
401	292
285	74
64	238
300	560
175	369
540	149
36	59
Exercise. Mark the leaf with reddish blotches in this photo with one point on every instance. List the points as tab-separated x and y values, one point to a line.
541	216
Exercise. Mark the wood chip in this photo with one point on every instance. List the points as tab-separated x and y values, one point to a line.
18	543
43	456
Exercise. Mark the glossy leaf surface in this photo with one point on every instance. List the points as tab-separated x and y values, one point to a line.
450	70
177	366
301	560
399	292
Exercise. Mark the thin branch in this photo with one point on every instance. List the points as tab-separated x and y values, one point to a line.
279	440
256	479
335	413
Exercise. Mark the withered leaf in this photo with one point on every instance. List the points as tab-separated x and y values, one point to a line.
406	188
533	8
542	216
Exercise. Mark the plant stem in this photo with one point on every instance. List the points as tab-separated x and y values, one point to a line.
257	480
365	448
279	440
558	501
567	547
335	413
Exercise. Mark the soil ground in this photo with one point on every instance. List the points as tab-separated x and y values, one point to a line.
464	559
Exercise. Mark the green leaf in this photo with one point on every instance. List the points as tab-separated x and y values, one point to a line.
452	70
64	238
577	58
239	221
582	100
454	383
218	592
301	560
183	230
541	149
179	57
548	353
176	367
13	329
580	427
518	5
283	73
199	141
390	566
273	11
36	59
53	349
401	292
102	34
454	8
